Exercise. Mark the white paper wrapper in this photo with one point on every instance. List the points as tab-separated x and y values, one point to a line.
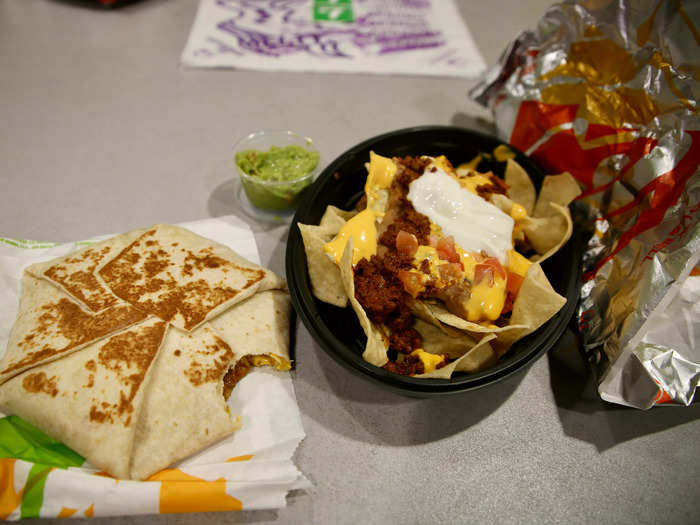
251	469
426	37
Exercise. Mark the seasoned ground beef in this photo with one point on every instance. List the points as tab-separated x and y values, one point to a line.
425	266
408	220
496	185
410	365
409	169
379	295
405	341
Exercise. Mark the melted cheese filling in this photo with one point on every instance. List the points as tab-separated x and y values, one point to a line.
275	361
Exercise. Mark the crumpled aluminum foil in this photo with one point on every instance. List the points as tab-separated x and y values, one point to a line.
607	90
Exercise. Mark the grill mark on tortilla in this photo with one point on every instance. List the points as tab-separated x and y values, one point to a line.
82	283
192	300
128	355
40	383
199	373
66	319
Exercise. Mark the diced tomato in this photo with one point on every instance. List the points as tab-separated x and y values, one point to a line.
513	283
433	240
446	249
406	243
496	266
412	281
488	268
483	271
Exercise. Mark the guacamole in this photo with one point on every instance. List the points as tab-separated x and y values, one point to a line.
276	177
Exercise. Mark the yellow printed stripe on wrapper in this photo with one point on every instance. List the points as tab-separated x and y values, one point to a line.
66	512
180	492
10	499
245	457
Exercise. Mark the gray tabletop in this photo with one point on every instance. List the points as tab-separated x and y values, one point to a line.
102	131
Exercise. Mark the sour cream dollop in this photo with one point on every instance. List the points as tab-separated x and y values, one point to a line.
474	223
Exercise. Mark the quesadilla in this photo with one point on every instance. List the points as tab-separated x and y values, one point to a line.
91	400
111	352
181	277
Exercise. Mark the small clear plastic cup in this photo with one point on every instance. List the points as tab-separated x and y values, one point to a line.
275	195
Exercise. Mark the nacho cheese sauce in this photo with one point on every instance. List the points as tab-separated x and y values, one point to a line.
427	233
361	228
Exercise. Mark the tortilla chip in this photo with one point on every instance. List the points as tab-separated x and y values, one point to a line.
503	203
334	218
91	400
50	325
535	304
375	351
558	189
520	187
76	275
183	278
445	316
436	341
548	234
423	312
478	357
324	274
184	409
259	326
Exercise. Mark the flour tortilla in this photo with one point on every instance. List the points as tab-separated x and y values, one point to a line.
50	325
183	278
184	409
91	400
76	274
258	326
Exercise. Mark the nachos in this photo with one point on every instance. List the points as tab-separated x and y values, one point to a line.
442	264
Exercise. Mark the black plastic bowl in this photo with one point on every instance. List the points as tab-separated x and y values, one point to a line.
338	331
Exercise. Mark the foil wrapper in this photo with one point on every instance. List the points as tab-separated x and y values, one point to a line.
607	90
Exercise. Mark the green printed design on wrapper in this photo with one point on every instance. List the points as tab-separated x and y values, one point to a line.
33	495
20	440
333	11
27	244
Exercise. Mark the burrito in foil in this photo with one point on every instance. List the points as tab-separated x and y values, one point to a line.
127	349
607	90
440	264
